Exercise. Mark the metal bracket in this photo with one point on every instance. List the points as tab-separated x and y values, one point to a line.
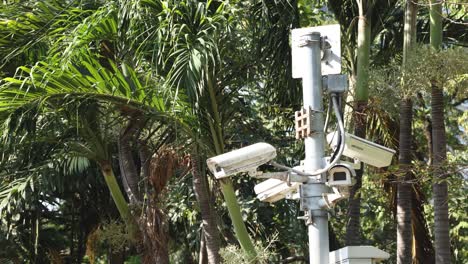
303	123
312	196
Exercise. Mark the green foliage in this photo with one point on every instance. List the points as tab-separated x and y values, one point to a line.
457	204
377	216
184	216
458	208
217	73
232	254
14	192
377	220
280	218
446	68
115	235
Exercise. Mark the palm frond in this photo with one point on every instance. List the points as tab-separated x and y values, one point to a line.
95	33
28	28
43	83
12	193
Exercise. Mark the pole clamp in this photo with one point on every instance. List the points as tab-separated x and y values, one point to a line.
309	38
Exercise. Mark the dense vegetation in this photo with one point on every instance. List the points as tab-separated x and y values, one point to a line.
109	109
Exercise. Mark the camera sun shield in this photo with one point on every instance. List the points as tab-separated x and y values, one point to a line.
241	160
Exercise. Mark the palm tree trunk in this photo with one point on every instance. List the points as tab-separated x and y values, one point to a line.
128	169
423	243
353	226
202	254
440	190
210	230
439	187
118	197
235	213
404	189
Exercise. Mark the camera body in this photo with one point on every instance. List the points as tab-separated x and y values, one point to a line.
341	174
364	150
273	190
245	159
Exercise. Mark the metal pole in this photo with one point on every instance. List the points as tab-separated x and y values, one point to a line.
318	237
312	191
312	95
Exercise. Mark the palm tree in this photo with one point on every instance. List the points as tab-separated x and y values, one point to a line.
53	88
60	147
439	142
201	63
191	65
353	235
404	187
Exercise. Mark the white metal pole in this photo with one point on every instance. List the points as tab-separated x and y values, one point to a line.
311	193
318	237
312	95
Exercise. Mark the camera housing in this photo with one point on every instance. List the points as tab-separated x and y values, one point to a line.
363	150
245	159
273	190
341	174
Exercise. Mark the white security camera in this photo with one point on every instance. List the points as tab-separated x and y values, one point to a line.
273	190
363	150
245	159
341	174
339	193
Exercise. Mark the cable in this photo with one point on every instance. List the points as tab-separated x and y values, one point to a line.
340	150
340	125
341	135
325	127
280	166
342	143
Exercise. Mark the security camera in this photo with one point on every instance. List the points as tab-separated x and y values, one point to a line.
341	174
331	199
363	150
273	190
245	159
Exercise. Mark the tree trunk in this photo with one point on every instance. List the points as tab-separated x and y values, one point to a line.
423	250
115	257
210	230
202	254
353	226
145	158
128	169
404	188
118	197
436	24
409	34
236	217
440	190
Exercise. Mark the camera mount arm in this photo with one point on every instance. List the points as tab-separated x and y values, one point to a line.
286	176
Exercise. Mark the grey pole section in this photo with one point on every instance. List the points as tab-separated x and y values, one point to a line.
311	192
312	95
